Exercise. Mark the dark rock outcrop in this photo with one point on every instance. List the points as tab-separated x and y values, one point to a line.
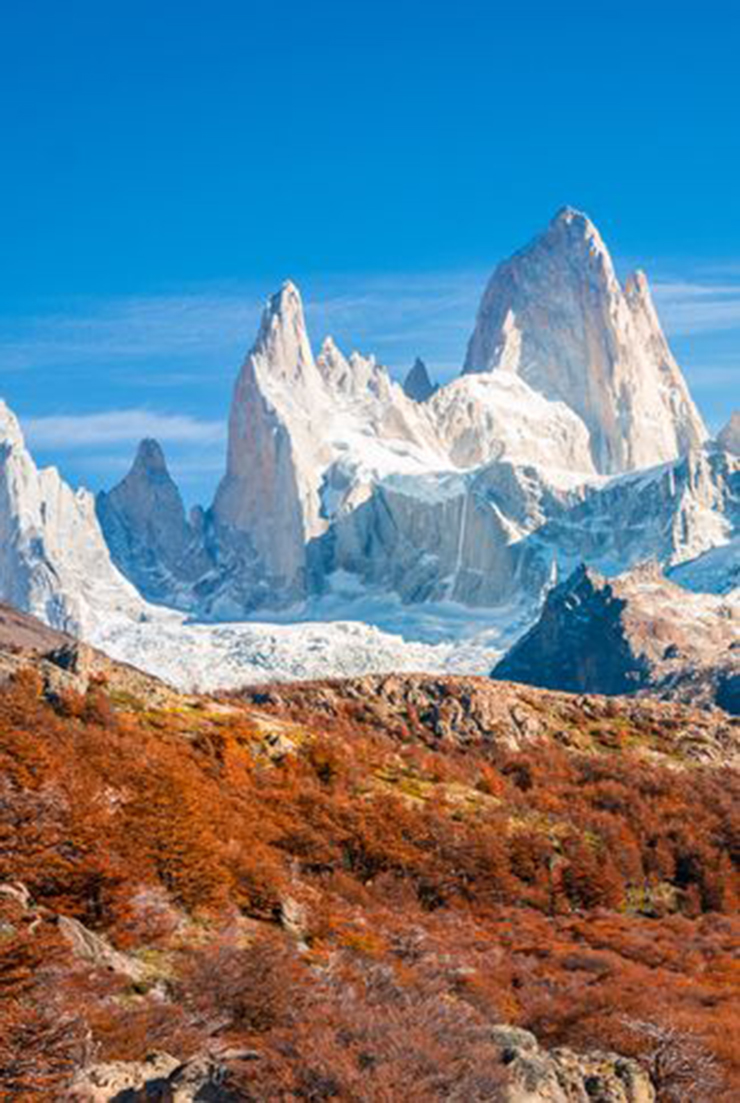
417	384
638	633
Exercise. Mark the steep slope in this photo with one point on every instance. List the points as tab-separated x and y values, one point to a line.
556	315
150	539
421	887
729	436
267	486
417	384
459	536
635	633
480	418
54	561
716	571
305	436
480	494
317	448
672	514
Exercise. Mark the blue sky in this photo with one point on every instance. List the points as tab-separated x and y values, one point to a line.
167	165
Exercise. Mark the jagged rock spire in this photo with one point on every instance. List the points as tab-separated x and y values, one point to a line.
556	315
10	430
282	342
729	436
417	384
144	523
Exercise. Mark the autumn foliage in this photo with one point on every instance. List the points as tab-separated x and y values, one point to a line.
350	902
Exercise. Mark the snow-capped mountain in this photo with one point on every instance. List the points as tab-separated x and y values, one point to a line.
54	561
324	451
670	514
556	315
569	436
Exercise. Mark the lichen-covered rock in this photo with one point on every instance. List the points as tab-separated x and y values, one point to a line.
562	1076
473	710
125	1081
161	1077
96	950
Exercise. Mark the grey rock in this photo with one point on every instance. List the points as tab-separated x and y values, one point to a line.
150	539
636	633
93	948
417	384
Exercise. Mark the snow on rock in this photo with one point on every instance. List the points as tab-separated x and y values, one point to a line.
500	417
54	561
267	501
637	632
334	466
556	315
569	436
313	441
671	514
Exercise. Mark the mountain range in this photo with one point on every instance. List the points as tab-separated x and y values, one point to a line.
568	437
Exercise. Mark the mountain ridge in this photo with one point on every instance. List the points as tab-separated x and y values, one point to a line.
479	494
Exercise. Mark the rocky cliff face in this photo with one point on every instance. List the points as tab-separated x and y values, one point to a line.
417	384
568	374
150	539
556	315
331	465
729	437
634	633
672	514
267	500
54	561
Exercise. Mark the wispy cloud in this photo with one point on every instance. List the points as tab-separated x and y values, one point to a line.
76	431
173	340
688	307
131	330
161	338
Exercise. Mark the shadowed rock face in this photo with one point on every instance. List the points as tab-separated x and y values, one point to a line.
144	523
417	384
635	633
579	643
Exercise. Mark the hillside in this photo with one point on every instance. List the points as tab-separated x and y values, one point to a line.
381	888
